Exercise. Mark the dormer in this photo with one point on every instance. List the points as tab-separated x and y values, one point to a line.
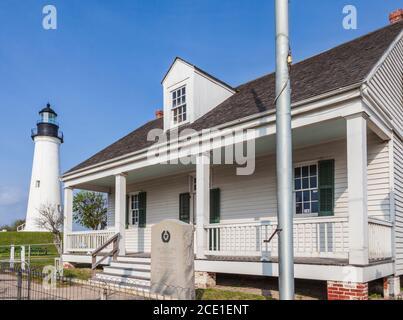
189	93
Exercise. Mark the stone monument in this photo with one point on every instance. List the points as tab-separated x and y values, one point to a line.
172	260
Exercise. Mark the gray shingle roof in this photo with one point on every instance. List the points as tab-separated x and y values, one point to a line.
334	69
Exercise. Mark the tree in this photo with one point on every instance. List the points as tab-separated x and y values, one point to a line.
90	210
16	224
51	219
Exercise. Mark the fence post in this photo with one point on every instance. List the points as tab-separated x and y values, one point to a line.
19	284
22	258
12	256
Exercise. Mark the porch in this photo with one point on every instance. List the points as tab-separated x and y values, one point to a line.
354	235
320	240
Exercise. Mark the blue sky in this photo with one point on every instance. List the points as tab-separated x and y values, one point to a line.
101	69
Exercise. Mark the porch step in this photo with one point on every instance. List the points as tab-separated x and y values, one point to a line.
131	265
143	260
125	281
132	271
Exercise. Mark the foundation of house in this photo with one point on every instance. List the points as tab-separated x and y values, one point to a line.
204	280
338	290
391	287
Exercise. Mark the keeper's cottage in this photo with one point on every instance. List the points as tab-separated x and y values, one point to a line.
347	120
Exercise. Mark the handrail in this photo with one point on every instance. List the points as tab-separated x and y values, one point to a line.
113	253
89	232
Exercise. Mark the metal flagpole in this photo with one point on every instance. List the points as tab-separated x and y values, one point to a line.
284	154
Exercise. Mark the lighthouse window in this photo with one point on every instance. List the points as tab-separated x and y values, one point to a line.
37	184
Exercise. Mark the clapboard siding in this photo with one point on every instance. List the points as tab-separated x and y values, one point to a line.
386	84
398	200
162	203
249	198
378	178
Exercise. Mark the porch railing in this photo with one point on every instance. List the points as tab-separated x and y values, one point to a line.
380	239
313	237
87	241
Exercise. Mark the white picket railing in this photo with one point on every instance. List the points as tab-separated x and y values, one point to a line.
313	237
380	239
87	241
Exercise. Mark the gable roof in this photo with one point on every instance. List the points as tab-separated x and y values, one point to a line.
337	68
197	69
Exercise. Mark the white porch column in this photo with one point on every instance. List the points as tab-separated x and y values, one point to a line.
357	188
68	217
202	202
120	210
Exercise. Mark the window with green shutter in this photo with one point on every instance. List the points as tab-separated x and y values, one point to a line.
142	209
326	188
215	206
184	207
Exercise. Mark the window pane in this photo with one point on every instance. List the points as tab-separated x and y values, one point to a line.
184	90
307	207
314	195
306	196
174	95
305	171
298	196
313	170
305	183
313	182
315	207
297	172
297	184
299	208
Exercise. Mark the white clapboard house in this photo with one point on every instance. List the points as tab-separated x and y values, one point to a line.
347	119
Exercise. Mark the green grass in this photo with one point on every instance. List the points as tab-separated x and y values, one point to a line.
79	273
41	256
217	294
19	238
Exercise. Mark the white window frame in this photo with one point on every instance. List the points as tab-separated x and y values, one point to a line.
178	106
131	210
300	165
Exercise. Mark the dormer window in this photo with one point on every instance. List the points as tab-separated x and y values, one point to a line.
179	106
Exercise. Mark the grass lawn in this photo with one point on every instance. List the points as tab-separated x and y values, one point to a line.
218	294
18	238
78	273
41	256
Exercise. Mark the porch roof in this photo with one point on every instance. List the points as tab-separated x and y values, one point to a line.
338	68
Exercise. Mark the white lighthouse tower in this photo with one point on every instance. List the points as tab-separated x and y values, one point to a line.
45	186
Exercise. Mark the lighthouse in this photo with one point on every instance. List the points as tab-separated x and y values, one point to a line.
45	184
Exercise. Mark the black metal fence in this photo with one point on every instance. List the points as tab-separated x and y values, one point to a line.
19	282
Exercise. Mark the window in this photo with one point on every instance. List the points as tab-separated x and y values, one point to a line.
37	184
192	183
306	189
134	209
179	105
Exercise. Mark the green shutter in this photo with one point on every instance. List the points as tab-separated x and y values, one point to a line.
127	210
215	206
326	188
184	207
142	209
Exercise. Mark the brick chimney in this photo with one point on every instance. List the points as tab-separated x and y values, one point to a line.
396	16
159	114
